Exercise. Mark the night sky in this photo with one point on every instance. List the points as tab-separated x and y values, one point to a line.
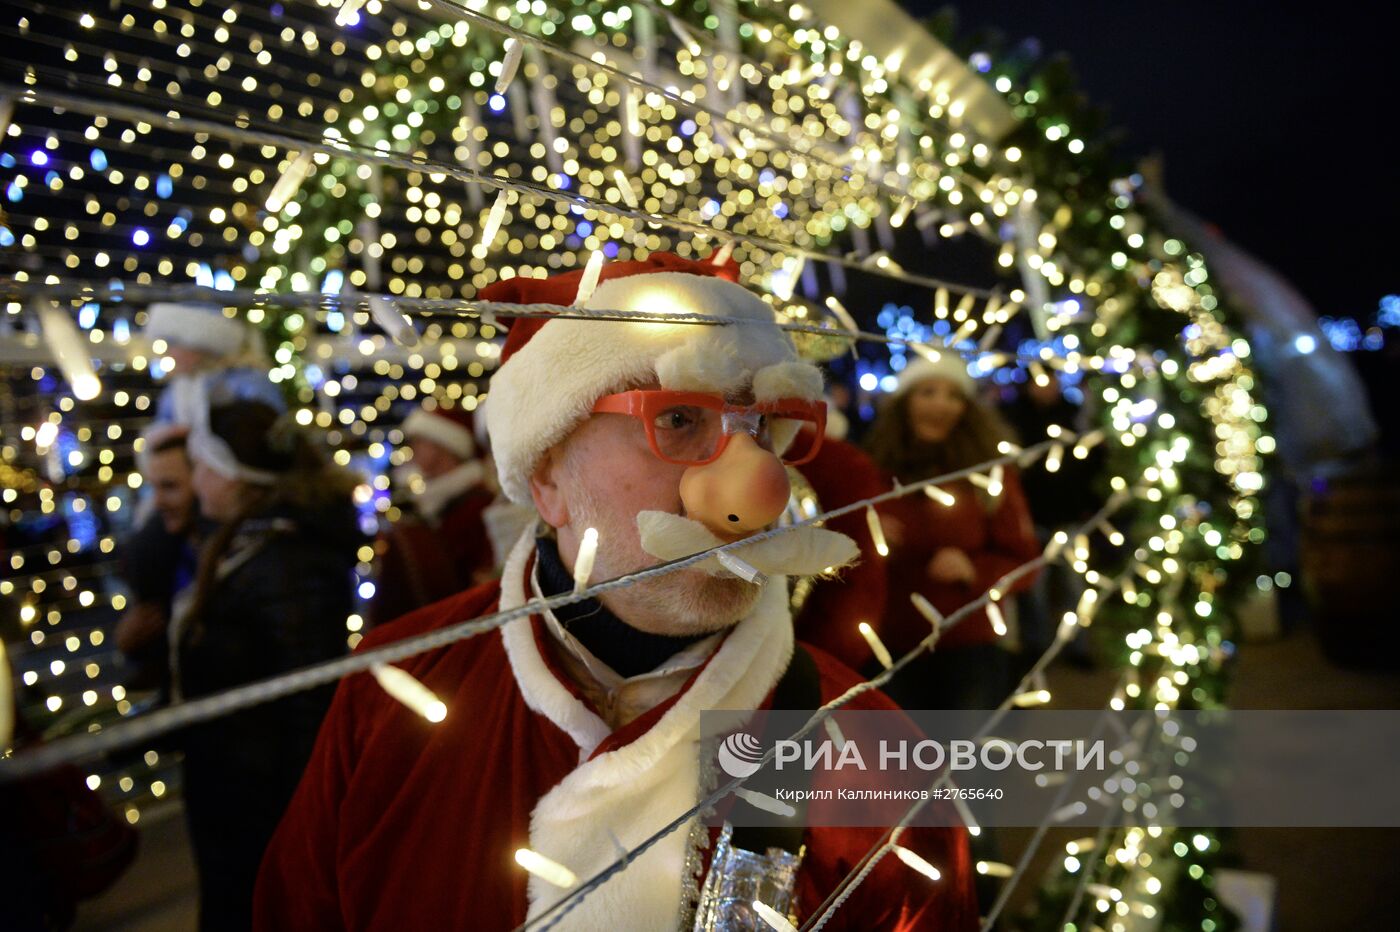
1274	125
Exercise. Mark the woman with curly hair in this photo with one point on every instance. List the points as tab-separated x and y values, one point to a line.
273	591
948	551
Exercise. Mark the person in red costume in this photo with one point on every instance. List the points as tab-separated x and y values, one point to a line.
950	554
442	547
574	732
840	474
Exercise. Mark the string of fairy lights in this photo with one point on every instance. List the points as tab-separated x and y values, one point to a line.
229	149
420	699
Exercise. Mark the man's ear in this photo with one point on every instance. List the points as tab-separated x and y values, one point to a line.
547	492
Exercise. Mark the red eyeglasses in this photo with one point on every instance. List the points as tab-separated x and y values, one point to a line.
693	428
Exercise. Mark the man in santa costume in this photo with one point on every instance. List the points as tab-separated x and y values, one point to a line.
574	733
441	546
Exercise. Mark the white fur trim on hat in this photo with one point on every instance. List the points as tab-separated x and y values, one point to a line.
949	365
551	383
441	430
197	326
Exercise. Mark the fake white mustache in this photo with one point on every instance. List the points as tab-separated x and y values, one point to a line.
805	551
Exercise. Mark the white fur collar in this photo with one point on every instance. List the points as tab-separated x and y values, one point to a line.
624	795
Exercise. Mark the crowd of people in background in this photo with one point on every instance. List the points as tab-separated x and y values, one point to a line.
243	565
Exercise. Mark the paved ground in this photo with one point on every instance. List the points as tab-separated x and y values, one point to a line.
1328	880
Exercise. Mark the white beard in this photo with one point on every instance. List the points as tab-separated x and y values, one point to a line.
807	551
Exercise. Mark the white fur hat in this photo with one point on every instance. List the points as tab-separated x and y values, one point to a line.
451	428
949	365
553	372
198	326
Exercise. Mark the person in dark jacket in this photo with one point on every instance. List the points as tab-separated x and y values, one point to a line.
952	550
159	559
273	593
441	546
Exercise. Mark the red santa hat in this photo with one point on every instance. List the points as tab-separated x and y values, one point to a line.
450	428
553	370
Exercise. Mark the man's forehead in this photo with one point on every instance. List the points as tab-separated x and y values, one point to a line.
740	396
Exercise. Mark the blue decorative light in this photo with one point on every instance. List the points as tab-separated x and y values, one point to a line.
140	236
87	316
1389	313
39	157
497	103
164	186
98	160
82	523
1304	343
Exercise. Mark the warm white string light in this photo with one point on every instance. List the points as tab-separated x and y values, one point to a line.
776	920
69	350
942	496
510	64
877	531
348	12
583	563
916	862
404	687
393	321
924	607
290	181
492	226
588	282
877	646
765	802
994	614
547	869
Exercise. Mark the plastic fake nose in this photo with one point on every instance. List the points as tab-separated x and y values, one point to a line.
743	491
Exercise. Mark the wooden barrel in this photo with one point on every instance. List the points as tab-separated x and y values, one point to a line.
1350	562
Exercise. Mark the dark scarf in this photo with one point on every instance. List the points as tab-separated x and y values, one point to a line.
627	651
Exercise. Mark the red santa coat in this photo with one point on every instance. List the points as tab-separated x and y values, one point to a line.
402	824
421	563
840	474
996	542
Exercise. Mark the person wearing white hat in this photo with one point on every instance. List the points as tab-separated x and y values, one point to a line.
212	359
573	732
440	546
949	551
